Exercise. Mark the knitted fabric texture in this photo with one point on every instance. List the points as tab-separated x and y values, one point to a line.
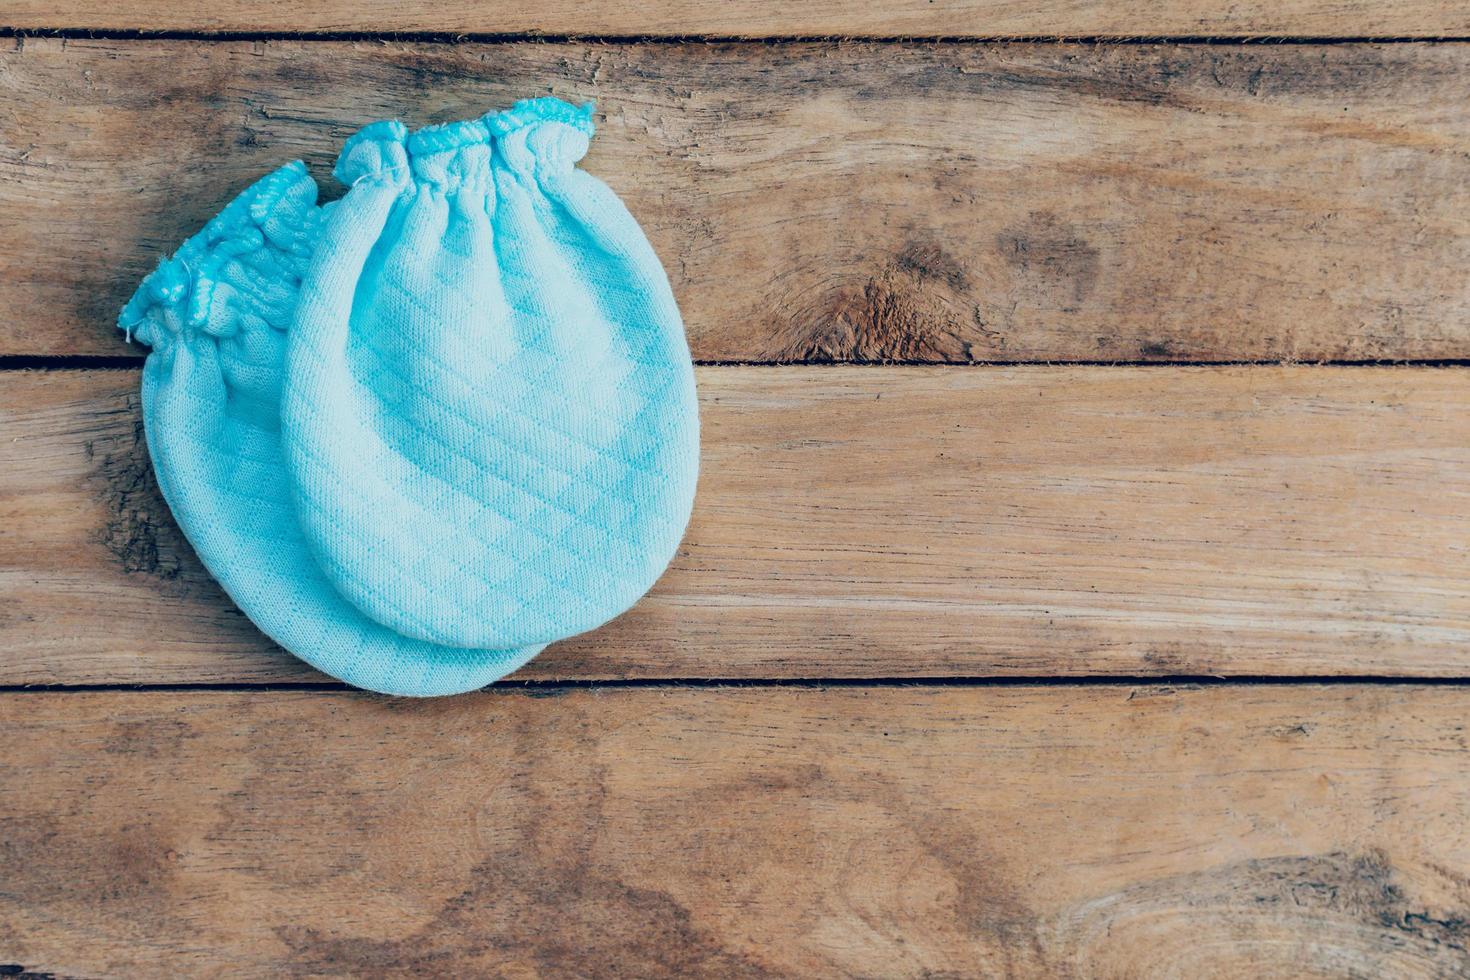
489	414
216	316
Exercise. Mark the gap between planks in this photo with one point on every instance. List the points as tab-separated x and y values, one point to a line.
103	362
20	34
552	688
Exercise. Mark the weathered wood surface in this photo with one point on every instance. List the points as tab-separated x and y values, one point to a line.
895	832
878	522
855	201
764	18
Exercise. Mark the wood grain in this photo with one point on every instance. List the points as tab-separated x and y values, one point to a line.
842	201
897	832
877	522
763	18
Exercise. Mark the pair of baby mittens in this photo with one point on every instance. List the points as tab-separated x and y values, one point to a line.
422	431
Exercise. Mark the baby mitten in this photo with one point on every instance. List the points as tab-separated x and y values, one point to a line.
215	316
489	416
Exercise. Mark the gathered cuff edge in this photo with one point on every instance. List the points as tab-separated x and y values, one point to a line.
445	137
548	108
185	281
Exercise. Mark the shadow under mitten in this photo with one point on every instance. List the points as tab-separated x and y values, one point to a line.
490	415
215	316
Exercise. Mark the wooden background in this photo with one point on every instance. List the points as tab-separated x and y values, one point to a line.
1079	584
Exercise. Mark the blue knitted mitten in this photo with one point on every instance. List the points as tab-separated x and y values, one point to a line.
489	416
216	316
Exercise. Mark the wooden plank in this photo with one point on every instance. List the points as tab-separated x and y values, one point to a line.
763	18
878	522
895	832
918	202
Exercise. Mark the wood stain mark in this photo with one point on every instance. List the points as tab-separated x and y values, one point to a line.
915	308
1359	907
134	504
541	882
1053	256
